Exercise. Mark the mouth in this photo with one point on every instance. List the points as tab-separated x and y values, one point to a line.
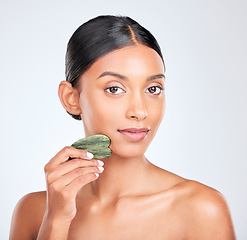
134	134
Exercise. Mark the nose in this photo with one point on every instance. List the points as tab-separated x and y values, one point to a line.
137	108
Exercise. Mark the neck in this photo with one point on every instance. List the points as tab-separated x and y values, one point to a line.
121	177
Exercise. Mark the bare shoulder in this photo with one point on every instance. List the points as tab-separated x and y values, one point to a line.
206	212
202	198
27	216
196	211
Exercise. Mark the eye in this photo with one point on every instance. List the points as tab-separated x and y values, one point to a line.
155	90
114	90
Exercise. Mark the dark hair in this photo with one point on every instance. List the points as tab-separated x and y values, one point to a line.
99	36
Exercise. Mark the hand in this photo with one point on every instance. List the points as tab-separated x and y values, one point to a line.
66	174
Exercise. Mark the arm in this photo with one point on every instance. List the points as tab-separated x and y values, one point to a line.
66	174
52	229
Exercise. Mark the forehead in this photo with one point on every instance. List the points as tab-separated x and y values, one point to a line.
129	61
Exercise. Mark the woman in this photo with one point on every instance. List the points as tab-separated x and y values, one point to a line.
115	85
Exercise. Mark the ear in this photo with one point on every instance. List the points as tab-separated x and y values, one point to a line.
69	98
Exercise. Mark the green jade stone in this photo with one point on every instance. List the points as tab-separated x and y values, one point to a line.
98	145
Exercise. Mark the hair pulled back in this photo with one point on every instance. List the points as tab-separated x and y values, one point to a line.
100	36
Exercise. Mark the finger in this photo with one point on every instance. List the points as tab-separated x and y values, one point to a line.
69	166
68	178
69	152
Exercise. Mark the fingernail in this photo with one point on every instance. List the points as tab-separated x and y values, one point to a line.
89	155
100	163
101	169
96	174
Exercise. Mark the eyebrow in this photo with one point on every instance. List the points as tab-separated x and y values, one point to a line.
112	74
107	73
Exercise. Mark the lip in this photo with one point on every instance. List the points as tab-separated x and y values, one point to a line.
134	134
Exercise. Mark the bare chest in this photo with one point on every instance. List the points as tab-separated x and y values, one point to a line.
127	222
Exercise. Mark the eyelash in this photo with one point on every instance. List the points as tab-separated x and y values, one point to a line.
112	88
160	88
117	87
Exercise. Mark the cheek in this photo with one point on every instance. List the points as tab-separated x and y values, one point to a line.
99	115
157	110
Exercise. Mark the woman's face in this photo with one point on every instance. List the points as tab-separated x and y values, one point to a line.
121	96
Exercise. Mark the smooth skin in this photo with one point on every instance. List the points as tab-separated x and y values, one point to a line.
128	198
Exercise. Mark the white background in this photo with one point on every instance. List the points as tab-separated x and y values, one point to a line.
204	132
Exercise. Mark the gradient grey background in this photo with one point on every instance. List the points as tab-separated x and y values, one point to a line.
204	132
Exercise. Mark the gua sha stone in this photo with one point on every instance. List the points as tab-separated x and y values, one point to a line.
98	145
